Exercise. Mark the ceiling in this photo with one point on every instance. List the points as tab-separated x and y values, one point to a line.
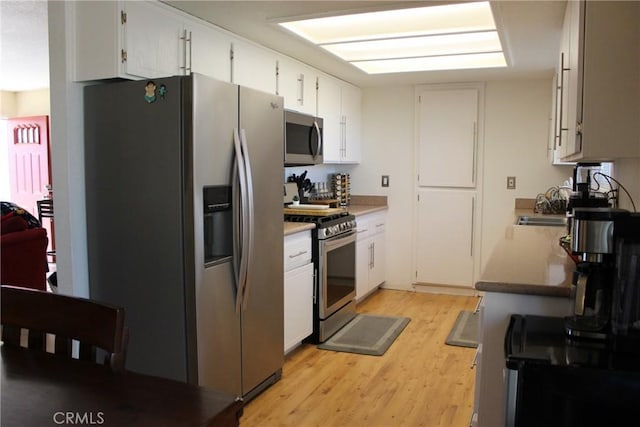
24	45
530	32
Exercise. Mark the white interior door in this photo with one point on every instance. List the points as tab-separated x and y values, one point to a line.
448	123
445	244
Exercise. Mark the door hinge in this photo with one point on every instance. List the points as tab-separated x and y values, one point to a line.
123	55
123	17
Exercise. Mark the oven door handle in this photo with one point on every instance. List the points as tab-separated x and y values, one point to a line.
339	241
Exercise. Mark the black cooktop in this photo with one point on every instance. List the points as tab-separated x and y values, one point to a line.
321	221
542	340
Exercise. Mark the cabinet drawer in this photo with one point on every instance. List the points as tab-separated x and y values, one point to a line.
370	225
297	250
377	223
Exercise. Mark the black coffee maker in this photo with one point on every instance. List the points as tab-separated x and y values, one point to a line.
606	288
625	307
583	195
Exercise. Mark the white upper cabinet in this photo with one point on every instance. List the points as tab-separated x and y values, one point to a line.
601	81
146	39
253	66
127	39
208	51
448	144
339	105
297	84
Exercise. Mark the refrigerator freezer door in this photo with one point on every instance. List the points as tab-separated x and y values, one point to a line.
136	225
262	119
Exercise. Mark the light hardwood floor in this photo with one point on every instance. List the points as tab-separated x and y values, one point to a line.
419	381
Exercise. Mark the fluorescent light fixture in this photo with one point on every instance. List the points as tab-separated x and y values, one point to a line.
446	37
432	63
449	44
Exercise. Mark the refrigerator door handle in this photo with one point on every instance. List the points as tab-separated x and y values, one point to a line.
250	214
241	230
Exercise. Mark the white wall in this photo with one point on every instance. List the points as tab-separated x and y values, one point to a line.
516	135
627	171
67	154
515	141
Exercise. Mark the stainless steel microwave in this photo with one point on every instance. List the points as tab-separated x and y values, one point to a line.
303	139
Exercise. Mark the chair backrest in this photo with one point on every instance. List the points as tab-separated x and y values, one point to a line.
94	325
45	209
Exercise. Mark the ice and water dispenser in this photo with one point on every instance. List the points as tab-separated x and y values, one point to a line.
218	223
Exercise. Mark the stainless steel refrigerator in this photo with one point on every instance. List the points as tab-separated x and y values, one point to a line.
184	226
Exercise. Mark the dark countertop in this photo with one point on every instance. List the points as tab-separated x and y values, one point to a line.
528	260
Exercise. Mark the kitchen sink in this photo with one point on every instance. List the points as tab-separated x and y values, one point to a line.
549	221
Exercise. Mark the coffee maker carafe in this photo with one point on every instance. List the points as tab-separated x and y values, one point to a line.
593	241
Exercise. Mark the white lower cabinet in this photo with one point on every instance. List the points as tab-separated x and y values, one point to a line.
298	289
495	311
370	253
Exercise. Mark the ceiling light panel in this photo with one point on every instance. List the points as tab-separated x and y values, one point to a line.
432	63
450	44
454	18
444	37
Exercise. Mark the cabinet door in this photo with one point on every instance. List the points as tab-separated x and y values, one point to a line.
209	51
448	121
297	84
574	17
298	305
445	243
253	67
329	108
151	39
377	275
351	117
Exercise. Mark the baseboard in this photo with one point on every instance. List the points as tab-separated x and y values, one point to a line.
444	289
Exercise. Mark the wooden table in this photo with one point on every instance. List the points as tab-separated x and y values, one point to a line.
39	389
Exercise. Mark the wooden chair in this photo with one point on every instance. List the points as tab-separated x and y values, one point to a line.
94	325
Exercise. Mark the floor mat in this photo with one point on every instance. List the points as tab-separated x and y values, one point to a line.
366	334
465	330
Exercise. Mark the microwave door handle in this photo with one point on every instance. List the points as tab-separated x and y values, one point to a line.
319	145
250	214
240	243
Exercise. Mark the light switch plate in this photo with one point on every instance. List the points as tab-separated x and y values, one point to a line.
511	183
385	180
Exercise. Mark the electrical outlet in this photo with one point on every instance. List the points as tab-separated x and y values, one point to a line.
511	183
385	180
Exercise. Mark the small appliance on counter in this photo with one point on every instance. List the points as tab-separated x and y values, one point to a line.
583	195
606	283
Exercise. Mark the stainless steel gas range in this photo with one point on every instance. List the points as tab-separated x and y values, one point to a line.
334	259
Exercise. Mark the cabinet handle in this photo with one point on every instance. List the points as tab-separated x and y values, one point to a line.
380	225
344	140
473	211
298	254
370	256
473	154
189	40
301	89
362	231
184	52
562	71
